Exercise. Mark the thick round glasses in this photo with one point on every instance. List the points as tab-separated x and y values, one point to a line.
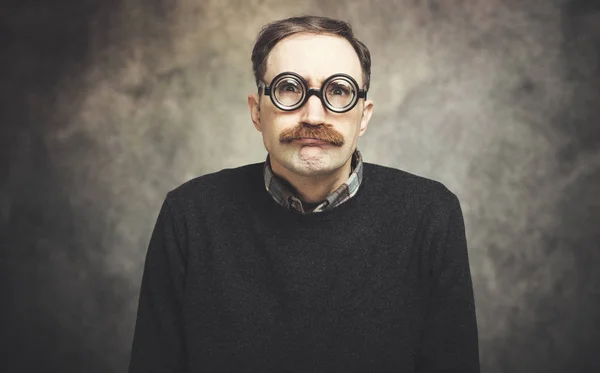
289	91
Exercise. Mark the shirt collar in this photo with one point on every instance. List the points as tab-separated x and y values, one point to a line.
282	191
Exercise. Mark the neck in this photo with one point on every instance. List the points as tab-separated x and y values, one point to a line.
313	189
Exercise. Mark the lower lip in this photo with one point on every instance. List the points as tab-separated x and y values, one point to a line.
311	142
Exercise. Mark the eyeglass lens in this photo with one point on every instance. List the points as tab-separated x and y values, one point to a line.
289	91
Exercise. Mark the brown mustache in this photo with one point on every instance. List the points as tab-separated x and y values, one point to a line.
323	132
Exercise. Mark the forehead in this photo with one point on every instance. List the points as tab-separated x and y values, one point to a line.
315	57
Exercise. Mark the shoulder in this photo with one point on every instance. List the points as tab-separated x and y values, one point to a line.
400	181
399	185
226	183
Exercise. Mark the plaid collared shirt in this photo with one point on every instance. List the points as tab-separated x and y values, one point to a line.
282	193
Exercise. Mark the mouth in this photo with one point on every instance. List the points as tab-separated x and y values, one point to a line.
310	141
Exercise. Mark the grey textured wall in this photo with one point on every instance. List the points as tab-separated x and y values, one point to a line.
105	106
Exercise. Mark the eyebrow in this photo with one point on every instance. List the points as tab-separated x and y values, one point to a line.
314	83
317	82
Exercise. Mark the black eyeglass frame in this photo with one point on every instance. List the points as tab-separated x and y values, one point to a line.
360	93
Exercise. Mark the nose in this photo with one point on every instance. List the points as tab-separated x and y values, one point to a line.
313	112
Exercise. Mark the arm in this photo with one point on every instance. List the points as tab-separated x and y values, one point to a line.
158	337
450	339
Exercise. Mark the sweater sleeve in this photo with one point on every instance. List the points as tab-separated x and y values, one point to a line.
158	336
450	339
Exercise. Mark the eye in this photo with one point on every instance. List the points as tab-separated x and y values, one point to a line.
339	90
288	87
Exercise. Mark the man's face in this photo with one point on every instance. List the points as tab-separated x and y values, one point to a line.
315	58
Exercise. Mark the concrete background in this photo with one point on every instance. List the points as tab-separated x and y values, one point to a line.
105	106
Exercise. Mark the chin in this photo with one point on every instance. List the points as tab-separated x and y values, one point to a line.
311	161
314	166
312	170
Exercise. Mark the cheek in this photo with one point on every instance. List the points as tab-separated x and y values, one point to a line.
278	121
275	123
351	125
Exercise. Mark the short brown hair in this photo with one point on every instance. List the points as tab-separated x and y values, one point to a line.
274	32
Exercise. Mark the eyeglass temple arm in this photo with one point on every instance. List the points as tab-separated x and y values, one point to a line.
263	87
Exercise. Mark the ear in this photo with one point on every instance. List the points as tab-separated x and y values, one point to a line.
254	107
366	116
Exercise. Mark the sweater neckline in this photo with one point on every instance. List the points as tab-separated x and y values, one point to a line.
280	212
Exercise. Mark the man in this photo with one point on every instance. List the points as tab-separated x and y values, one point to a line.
312	261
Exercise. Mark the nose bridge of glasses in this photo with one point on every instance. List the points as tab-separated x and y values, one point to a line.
315	92
319	94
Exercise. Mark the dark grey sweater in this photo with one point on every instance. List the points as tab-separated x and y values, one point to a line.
234	282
